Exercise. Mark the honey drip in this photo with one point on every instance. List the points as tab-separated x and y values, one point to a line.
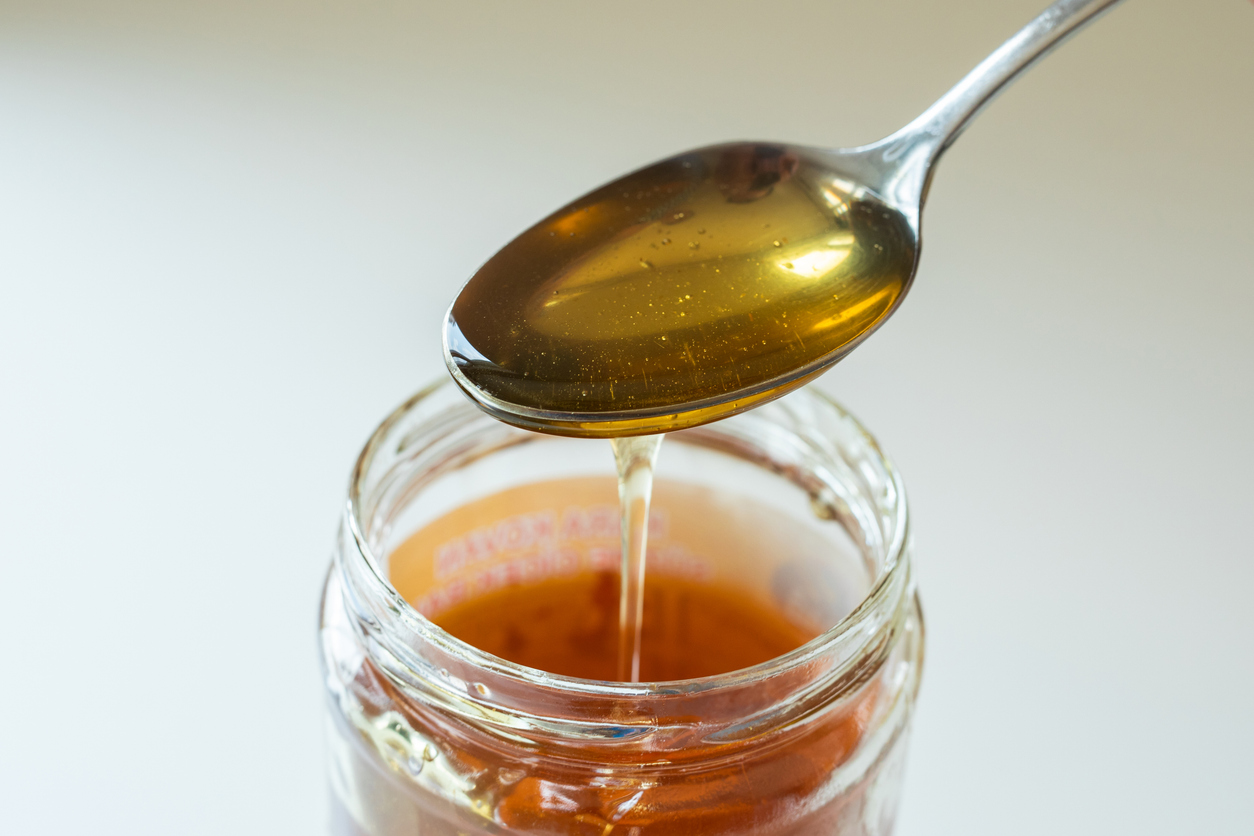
635	458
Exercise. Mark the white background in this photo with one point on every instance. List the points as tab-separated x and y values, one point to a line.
228	235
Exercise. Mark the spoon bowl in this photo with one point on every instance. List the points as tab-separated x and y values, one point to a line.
711	280
714	280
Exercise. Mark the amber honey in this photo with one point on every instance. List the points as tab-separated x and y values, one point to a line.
728	272
748	783
727	733
570	626
682	783
532	575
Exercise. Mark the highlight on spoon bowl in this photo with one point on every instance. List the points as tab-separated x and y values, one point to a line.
681	293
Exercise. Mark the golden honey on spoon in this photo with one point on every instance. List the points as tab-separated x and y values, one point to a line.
732	271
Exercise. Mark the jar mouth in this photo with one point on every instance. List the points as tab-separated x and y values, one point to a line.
417	651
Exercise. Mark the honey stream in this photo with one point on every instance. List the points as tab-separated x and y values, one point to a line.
636	457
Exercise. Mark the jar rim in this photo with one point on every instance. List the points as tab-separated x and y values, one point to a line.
390	613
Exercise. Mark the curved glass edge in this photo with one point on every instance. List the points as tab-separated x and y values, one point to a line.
433	666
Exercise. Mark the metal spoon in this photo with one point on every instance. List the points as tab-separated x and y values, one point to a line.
709	282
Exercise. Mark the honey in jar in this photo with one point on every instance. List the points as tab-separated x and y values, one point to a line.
569	626
469	632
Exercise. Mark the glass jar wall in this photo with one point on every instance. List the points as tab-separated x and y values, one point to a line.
792	505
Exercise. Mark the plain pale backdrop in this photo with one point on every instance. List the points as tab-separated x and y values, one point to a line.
228	233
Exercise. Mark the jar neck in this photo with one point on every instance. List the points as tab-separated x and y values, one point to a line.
426	667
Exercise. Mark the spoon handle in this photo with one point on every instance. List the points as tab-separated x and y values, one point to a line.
908	156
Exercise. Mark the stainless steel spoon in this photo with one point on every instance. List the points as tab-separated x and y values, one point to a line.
714	280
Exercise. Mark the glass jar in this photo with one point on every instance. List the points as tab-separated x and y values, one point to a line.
793	503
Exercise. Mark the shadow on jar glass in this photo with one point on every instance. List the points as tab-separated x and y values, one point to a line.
792	507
